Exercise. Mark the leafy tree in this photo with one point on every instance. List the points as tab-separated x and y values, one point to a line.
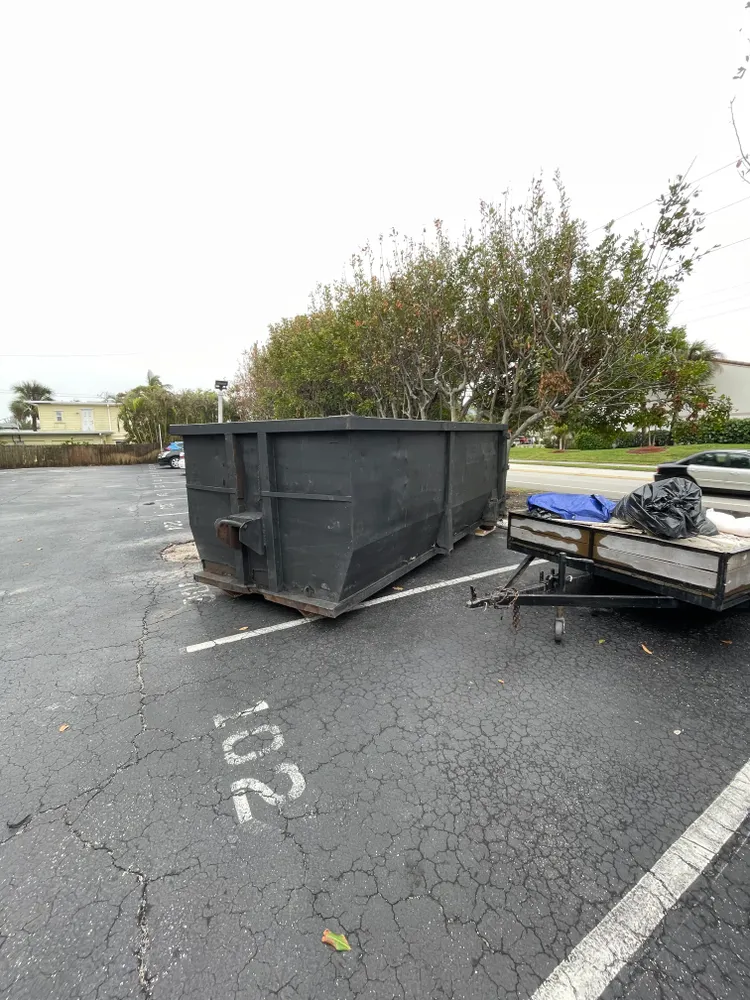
708	421
524	321
561	432
680	380
22	410
150	408
648	419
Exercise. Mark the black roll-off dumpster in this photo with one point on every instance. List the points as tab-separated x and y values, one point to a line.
321	513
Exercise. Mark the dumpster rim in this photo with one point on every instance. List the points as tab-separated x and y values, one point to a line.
341	423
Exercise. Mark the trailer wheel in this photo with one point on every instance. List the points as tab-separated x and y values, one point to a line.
559	629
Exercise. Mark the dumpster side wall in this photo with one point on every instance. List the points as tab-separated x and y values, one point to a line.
336	506
399	488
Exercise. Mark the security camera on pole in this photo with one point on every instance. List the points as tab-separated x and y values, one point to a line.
220	386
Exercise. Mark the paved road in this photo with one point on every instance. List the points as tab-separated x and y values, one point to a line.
611	483
206	815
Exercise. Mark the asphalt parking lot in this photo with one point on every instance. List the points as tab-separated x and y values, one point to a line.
466	802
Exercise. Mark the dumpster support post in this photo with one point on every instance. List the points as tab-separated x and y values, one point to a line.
445	537
267	485
503	457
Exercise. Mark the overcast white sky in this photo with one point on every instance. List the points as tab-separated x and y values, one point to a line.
176	175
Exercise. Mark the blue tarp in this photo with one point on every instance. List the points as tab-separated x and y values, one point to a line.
574	506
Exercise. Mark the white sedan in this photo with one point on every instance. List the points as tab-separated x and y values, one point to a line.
715	471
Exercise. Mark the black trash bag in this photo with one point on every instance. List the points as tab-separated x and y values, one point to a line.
667	509
543	513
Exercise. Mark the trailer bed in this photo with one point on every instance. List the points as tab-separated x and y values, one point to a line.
712	571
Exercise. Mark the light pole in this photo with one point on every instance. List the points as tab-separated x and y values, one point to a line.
220	386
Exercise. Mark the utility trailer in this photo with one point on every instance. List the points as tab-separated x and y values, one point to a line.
619	567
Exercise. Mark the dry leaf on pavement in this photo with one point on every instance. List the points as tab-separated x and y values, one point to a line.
646	649
63	727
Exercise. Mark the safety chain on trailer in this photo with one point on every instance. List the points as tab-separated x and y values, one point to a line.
515	611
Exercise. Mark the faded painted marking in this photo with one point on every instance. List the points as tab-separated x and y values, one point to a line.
604	952
413	591
251	635
242	807
244	785
234	759
296	622
195	592
221	720
173	525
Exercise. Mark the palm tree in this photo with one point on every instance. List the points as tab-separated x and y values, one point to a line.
21	408
700	350
154	382
20	411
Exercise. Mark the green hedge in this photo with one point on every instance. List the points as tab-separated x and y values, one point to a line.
635	439
701	432
733	432
589	441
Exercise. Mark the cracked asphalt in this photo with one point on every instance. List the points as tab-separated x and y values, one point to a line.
465	834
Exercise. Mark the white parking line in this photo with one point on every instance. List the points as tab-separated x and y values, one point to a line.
603	953
295	622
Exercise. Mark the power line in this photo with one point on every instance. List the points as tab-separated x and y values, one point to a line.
730	205
654	201
717	171
726	312
715	291
632	212
726	246
728	299
117	354
72	392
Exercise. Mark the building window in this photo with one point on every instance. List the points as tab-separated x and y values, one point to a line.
58	416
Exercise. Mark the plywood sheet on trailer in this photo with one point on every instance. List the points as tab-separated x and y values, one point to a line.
672	563
738	573
557	536
722	542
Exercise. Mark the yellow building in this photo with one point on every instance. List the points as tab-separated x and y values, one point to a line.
83	422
